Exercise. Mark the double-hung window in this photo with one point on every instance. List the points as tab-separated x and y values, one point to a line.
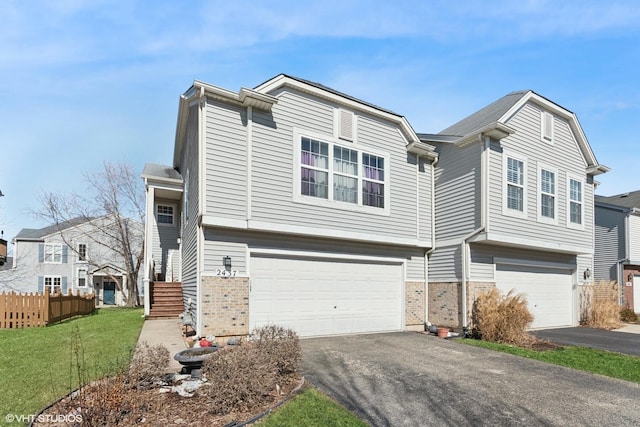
515	190
82	252
342	173
547	211
53	253
576	202
53	284
165	214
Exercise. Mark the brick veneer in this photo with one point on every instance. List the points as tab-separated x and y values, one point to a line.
225	306
445	304
414	305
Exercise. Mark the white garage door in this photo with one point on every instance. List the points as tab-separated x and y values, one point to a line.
325	297
548	292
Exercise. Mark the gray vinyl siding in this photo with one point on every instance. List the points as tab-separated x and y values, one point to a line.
235	243
226	160
165	237
458	193
634	239
563	155
425	200
273	170
481	266
190	227
583	262
609	243
445	264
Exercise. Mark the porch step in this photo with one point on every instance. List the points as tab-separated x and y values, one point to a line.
166	300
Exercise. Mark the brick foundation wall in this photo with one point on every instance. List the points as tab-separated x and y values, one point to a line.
474	289
414	305
225	306
445	304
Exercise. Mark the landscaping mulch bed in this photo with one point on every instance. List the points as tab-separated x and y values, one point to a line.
150	407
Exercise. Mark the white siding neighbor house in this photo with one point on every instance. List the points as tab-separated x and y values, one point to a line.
294	204
514	209
617	249
67	257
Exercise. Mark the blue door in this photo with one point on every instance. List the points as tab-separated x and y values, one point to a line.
109	293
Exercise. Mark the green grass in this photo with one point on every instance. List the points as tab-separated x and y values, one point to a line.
310	409
40	365
601	362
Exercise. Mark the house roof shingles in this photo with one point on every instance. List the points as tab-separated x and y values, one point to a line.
628	200
39	233
160	171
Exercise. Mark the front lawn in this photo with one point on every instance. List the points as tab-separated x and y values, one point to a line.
601	362
312	409
40	365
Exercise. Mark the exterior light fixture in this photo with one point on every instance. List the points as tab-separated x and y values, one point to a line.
226	261
587	274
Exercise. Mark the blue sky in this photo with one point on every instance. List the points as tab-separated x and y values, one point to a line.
82	82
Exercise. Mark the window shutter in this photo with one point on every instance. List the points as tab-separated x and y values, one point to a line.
41	252
547	126
40	284
346	125
63	283
65	253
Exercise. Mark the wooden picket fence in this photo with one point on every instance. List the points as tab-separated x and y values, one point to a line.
32	310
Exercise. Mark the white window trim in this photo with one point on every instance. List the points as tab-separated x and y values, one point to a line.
542	218
173	217
44	255
86	252
570	224
52	277
545	116
505	186
330	202
86	277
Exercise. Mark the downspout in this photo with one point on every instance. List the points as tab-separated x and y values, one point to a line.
484	181
430	251
201	208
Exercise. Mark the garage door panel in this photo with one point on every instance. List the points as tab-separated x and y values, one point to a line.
548	292
325	297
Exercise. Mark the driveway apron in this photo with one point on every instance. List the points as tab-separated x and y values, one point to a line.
409	379
620	342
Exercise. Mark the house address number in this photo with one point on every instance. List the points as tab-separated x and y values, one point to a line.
225	273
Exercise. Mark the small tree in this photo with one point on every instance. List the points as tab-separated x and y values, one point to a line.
114	204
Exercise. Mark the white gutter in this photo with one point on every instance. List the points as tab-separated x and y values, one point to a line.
429	252
202	178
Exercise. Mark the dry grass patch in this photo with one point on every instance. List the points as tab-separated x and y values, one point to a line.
502	318
599	305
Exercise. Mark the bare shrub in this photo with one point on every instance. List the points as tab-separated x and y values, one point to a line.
502	318
238	378
281	345
242	377
148	363
603	310
628	315
102	402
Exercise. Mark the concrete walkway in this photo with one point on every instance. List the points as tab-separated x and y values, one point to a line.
166	332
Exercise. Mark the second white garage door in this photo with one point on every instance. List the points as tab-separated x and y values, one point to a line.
325	297
548	292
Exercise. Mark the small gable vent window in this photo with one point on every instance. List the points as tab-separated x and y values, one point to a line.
547	126
346	122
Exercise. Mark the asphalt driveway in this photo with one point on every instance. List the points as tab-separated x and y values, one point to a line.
620	342
412	379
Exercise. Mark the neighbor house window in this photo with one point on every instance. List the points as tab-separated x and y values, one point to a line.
52	253
53	284
515	190
82	277
575	202
547	210
165	214
82	252
345	174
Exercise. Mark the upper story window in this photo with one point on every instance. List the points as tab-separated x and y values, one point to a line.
576	202
515	192
333	172
53	253
165	214
547	126
547	192
82	252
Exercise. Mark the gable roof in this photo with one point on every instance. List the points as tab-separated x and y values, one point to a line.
161	172
492	121
39	233
628	200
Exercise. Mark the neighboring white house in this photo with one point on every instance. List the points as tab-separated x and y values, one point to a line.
76	255
294	204
617	245
514	209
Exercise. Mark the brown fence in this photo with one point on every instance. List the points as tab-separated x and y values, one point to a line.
31	310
